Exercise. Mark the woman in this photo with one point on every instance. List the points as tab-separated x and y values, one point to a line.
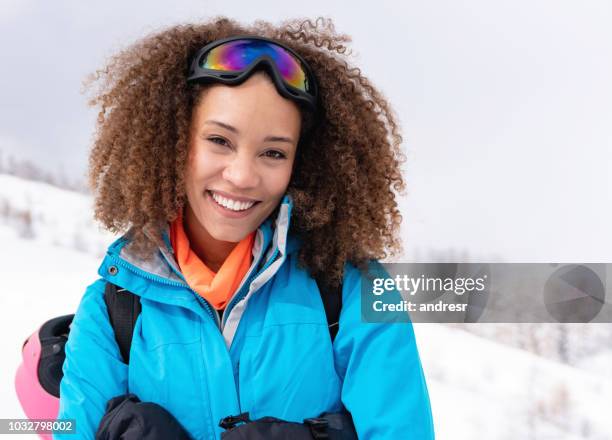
241	196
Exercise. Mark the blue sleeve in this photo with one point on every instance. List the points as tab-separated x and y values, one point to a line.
384	387
93	370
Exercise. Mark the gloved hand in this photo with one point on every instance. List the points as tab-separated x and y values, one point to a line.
127	418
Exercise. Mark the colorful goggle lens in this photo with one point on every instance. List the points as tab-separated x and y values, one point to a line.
237	55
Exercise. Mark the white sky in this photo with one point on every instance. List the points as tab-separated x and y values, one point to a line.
506	107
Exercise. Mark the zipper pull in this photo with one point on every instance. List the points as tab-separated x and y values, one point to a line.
230	422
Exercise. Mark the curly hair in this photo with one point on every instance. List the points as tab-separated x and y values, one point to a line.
347	167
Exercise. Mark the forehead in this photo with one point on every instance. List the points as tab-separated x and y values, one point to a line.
254	104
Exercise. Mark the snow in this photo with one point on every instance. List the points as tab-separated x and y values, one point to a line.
39	281
51	215
480	388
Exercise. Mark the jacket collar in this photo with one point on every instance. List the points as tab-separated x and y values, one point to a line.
158	277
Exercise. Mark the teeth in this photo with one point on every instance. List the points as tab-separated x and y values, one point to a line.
234	205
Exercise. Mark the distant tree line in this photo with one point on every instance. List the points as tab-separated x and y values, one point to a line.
26	169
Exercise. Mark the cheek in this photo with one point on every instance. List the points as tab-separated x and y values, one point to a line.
200	168
277	182
288	170
191	179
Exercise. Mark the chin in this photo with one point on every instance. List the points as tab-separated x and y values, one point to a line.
232	236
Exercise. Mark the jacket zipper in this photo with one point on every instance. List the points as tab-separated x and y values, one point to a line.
213	315
244	283
231	305
245	287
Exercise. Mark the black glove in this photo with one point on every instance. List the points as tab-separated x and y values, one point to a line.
328	426
127	418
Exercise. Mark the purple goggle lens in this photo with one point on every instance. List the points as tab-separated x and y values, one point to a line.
237	55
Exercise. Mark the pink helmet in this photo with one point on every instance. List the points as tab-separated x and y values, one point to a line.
40	373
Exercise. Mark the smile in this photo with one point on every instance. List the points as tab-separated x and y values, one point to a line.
231	206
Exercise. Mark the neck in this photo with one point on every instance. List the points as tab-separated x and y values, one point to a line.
211	251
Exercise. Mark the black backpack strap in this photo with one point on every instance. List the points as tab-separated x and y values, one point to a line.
332	301
123	310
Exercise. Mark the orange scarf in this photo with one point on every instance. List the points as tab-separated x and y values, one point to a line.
216	288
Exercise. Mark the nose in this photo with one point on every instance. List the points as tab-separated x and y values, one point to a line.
241	172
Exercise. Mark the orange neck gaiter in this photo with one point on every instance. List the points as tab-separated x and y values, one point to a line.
216	288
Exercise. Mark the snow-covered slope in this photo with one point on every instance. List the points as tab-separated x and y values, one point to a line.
479	388
39	281
50	215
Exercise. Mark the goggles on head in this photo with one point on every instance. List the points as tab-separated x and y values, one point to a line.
232	60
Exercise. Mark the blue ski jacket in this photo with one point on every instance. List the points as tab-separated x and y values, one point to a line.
269	353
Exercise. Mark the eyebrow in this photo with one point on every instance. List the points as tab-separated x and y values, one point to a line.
235	130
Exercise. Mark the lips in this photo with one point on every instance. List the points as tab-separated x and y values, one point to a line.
232	196
230	203
227	212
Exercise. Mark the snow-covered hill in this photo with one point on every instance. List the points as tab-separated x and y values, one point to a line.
50	215
480	388
39	281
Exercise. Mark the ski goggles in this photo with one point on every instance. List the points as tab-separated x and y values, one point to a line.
232	60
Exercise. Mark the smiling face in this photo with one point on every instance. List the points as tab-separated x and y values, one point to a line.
242	146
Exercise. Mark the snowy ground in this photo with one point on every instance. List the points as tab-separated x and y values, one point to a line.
479	388
39	281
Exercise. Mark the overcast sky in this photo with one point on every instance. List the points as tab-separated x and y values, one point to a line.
505	106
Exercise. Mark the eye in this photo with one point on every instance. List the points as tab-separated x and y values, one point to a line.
275	154
218	140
